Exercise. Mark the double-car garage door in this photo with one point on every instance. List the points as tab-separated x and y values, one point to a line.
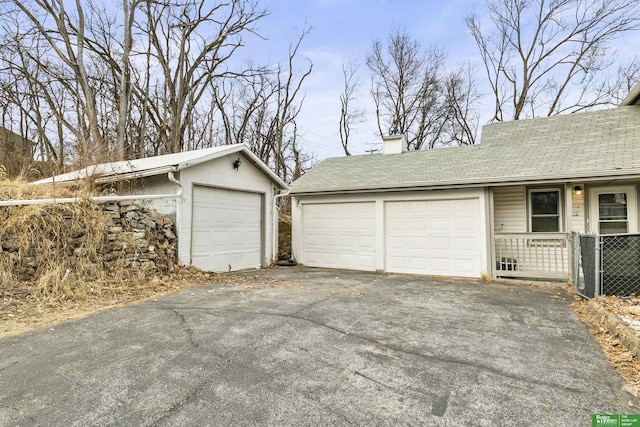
438	237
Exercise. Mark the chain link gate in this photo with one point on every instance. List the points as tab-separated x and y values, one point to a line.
610	264
620	261
584	253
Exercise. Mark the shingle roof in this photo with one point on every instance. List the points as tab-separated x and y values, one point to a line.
597	143
156	165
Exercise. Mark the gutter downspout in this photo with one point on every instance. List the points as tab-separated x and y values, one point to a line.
275	224
172	178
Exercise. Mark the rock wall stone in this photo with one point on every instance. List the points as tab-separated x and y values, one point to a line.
138	237
134	237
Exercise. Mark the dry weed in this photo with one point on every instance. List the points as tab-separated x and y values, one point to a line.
618	355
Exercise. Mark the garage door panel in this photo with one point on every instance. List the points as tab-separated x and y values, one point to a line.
439	237
226	229
339	235
440	243
465	244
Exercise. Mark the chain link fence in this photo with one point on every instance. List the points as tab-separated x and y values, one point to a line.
606	264
620	255
586	282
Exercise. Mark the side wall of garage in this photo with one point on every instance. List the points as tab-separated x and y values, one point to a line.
438	232
246	185
158	184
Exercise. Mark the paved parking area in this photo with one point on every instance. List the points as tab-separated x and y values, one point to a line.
299	346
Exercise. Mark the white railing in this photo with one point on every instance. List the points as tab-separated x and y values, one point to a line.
535	255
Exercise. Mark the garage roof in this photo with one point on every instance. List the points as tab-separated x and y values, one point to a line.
568	147
149	166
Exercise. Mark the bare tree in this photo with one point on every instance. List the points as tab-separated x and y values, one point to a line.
128	8
461	97
628	76
350	114
261	110
192	41
155	77
409	91
546	57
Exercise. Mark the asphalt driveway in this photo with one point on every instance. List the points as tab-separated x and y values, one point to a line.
296	346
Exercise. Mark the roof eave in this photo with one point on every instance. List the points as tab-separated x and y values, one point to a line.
635	174
177	167
136	174
633	98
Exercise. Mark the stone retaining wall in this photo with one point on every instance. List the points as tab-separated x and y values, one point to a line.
138	237
135	237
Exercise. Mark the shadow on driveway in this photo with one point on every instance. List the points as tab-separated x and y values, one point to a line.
301	346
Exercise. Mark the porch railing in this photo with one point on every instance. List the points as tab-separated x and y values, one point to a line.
535	255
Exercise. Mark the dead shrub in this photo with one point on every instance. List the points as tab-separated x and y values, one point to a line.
53	251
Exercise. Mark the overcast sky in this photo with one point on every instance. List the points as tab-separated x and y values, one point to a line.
343	30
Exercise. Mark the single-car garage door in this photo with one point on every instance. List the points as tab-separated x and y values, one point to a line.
339	235
436	237
226	231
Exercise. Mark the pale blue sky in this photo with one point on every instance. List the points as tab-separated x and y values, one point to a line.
343	30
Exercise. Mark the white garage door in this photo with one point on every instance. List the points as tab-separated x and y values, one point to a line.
436	237
340	235
226	232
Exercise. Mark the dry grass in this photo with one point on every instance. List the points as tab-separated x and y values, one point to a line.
23	314
54	266
617	354
19	189
58	247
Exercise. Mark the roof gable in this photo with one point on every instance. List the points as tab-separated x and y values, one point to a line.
149	166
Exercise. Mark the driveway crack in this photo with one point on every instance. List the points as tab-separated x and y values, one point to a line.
360	374
307	306
20	413
187	329
9	366
398	349
169	412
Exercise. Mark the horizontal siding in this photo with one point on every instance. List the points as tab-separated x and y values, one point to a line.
577	212
509	213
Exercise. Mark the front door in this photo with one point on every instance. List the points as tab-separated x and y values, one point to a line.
614	210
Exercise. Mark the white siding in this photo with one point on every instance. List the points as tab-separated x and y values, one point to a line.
577	211
159	184
510	210
220	173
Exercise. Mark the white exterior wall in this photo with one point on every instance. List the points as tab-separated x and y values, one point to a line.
220	173
510	209
298	203
578	213
159	184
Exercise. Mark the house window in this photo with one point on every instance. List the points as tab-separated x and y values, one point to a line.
545	210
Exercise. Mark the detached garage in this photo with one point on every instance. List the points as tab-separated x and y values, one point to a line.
220	198
372	213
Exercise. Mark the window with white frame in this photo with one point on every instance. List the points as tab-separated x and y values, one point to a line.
545	210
